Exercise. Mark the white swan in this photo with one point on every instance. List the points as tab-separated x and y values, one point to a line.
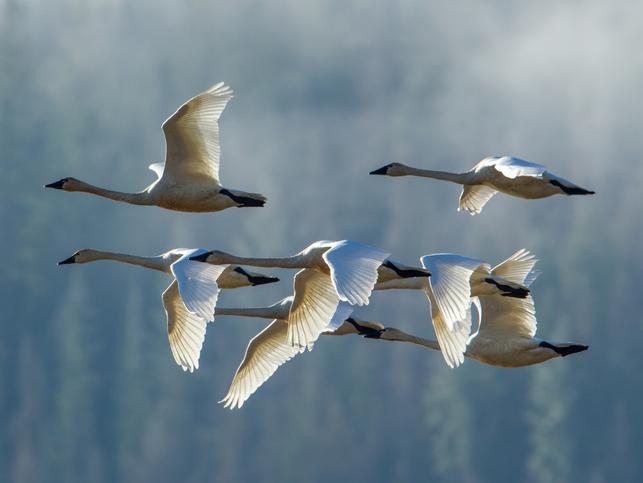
506	326
454	280
508	175
189	179
190	299
333	272
506	349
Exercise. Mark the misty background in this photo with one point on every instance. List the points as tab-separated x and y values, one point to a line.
325	91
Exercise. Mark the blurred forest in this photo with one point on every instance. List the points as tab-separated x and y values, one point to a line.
325	92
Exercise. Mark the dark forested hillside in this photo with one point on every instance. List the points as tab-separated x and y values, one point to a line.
325	91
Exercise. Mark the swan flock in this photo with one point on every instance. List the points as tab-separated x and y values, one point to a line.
477	311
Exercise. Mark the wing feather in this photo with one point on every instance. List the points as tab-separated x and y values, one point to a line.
186	331
265	353
353	269
314	304
474	197
192	147
197	283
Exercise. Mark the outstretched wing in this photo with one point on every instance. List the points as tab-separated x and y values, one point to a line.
453	336
451	283
186	330
314	304
507	316
353	270
518	268
197	283
474	197
192	136
268	350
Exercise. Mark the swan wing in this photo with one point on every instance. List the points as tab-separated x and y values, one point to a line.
158	169
268	350
343	312
314	304
192	137
474	197
186	330
197	283
507	316
514	167
450	282
353	269
453	336
518	268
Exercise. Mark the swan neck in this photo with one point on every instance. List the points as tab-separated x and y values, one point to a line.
400	336
285	262
153	263
131	198
458	178
257	312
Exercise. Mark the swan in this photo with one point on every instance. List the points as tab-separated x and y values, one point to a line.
333	272
505	348
190	299
454	280
506	335
189	179
504	174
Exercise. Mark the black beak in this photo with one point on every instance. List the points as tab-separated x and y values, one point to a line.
262	280
67	261
56	185
201	258
382	170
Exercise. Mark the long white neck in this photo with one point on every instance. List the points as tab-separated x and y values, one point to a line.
459	178
141	198
274	312
153	263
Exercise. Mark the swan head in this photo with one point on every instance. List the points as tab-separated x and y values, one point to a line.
392	169
81	256
240	277
66	184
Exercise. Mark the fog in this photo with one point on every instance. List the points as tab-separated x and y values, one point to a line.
324	93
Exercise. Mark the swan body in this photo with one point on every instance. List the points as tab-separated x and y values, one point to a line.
515	352
189	179
333	273
504	174
190	299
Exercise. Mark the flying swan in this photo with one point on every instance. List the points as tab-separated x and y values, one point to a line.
189	179
506	335
503	174
190	299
